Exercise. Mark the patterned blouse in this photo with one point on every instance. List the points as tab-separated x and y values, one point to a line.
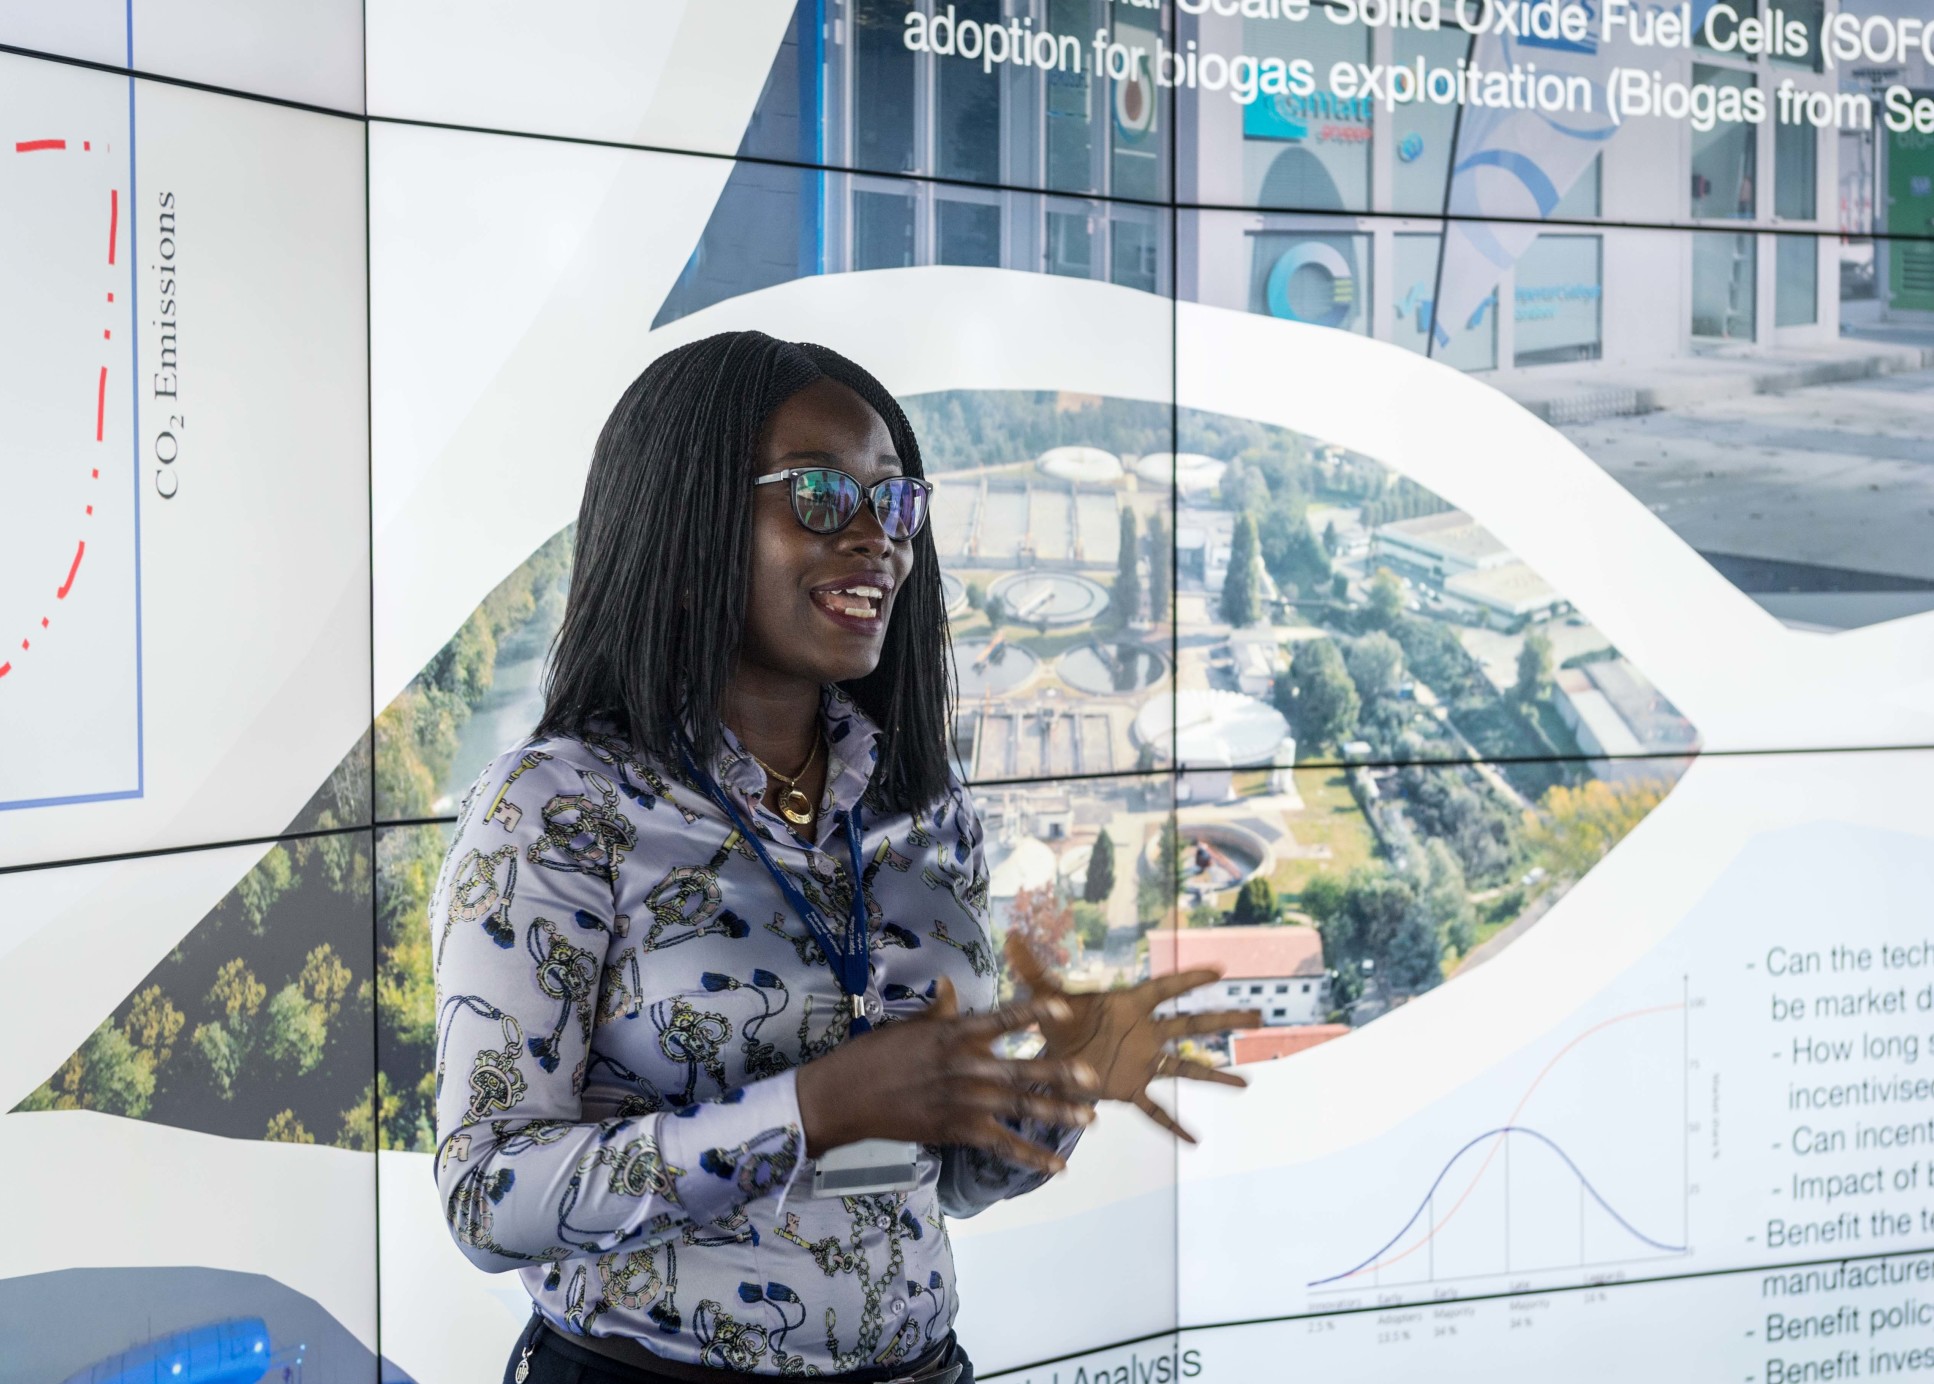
622	996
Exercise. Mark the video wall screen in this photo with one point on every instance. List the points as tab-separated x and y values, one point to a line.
311	54
1432	507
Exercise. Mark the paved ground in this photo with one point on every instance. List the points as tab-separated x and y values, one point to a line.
1836	475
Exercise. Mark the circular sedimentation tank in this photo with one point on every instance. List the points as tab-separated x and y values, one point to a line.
1216	855
1109	668
1211	728
1090	464
981	668
1053	598
1191	473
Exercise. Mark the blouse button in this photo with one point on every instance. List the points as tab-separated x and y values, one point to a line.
899	1305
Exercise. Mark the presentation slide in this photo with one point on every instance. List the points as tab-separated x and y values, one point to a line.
1432	506
184	581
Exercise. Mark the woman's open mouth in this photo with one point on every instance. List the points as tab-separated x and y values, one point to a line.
857	604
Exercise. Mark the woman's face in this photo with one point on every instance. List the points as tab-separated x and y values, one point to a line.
819	603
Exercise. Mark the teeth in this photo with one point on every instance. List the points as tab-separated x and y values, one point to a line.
857	606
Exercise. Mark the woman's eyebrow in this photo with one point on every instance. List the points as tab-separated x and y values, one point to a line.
837	462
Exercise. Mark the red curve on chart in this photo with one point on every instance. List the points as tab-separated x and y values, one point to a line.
31	146
72	568
1478	1176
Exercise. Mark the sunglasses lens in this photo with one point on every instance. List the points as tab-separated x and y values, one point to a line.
824	500
901	504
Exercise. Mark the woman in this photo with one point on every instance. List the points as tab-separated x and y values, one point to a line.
708	1099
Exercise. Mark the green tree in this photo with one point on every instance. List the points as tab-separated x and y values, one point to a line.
1446	897
1376	665
1317	695
371	1122
1241	588
153	1024
285	1128
222	1055
1160	554
1255	903
238	994
1534	668
1383	923
1127	595
1330	541
1339	587
114	1076
1090	924
1168	852
976	595
273	876
1157	886
1100	880
996	612
1459	808
296	1031
109	1073
324	980
1322	897
1385	608
1574	828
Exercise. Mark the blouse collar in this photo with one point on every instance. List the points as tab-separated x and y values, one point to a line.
852	741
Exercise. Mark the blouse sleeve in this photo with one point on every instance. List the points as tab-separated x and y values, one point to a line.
521	916
972	1179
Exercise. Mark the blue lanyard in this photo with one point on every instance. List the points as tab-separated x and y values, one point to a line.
848	958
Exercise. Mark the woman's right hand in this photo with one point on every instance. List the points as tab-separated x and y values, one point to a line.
934	1079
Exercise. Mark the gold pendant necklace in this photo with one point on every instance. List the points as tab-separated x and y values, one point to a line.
794	805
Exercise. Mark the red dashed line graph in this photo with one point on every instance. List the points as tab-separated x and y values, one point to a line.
66	586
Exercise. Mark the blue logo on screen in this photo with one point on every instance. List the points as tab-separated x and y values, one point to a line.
1289	117
1410	148
1328	288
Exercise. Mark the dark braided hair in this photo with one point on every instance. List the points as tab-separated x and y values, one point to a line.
645	645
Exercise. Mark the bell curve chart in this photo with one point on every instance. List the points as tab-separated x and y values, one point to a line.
1527	1193
70	659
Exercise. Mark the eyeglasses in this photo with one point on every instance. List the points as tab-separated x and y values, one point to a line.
825	500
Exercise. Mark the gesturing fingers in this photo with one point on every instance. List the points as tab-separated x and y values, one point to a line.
1010	1017
946	1003
1029	967
1072	1078
1215	1021
1164	988
1190	1070
1146	1104
990	1134
1012	1103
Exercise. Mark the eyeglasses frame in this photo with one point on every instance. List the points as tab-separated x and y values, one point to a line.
866	497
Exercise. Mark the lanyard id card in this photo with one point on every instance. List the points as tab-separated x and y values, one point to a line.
868	1165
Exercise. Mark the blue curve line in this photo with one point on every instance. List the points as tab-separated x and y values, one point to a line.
1578	1173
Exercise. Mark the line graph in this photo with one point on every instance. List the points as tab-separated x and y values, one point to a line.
1481	1207
69	466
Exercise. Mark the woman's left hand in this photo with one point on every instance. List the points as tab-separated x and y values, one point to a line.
1116	1031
